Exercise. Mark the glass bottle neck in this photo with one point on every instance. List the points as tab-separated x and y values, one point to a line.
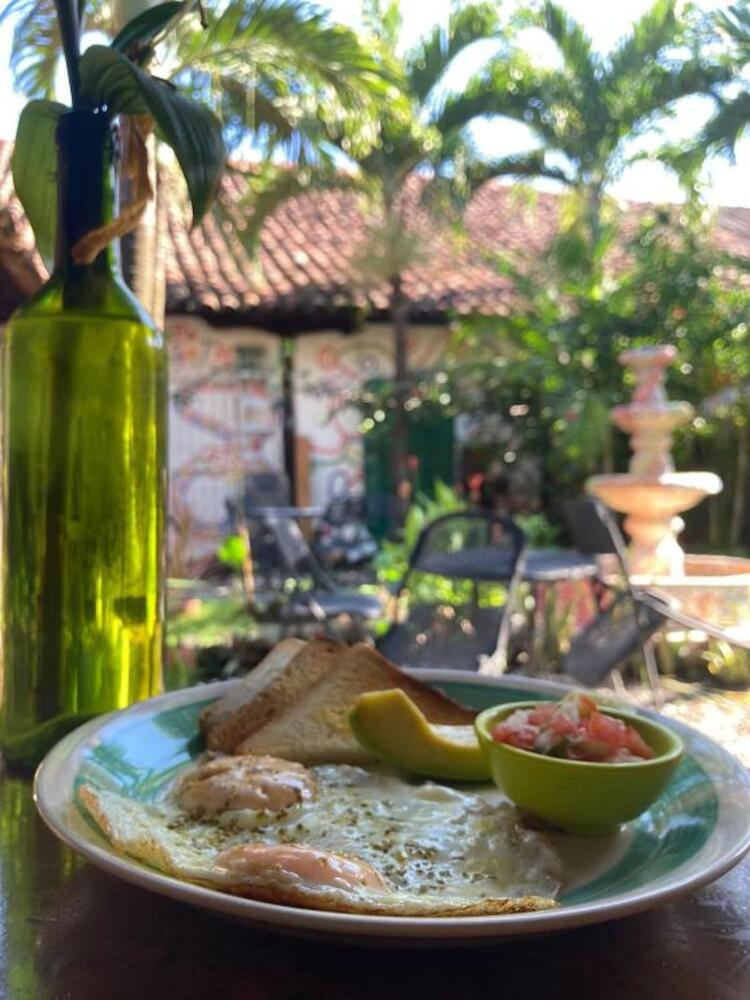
86	190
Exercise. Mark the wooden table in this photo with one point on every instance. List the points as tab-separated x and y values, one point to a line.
70	932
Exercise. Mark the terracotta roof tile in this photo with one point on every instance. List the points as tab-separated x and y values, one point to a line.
308	248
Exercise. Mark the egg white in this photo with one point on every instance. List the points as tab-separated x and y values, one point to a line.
443	850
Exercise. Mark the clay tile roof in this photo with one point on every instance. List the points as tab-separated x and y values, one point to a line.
305	276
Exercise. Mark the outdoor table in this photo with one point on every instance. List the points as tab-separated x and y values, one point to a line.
284	511
490	565
68	930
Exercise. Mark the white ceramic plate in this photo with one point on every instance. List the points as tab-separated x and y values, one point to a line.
697	830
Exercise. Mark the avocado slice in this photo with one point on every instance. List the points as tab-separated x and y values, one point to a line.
390	726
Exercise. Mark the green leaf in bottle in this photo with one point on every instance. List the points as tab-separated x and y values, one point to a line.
141	31
110	80
34	174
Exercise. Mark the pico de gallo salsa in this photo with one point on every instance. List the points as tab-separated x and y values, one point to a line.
574	729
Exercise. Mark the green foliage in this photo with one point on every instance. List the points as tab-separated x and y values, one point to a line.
34	177
551	369
212	622
140	34
36	45
539	530
584	112
727	31
111	80
233	552
426	63
281	70
727	664
107	81
276	71
413	134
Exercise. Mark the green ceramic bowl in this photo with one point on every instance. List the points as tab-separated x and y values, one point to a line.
580	797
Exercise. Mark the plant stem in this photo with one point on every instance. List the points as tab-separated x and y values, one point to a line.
67	15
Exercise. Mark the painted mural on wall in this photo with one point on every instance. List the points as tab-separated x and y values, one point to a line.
329	371
225	422
226	417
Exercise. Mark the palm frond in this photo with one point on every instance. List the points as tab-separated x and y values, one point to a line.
382	20
280	72
573	43
685	159
547	101
722	132
735	22
36	47
659	86
289	39
531	164
427	63
656	29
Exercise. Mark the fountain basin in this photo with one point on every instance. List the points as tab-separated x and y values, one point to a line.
652	420
653	497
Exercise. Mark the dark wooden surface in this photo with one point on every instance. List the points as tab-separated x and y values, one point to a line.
70	931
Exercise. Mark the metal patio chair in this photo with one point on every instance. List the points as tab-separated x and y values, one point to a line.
446	625
626	624
314	596
341	538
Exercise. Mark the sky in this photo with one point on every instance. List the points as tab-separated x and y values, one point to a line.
605	22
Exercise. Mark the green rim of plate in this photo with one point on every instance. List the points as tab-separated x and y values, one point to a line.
140	758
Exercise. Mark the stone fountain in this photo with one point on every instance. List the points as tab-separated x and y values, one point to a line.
652	496
651	493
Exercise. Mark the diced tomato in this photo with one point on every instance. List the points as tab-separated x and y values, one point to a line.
522	736
561	726
605	728
586	705
575	729
636	744
541	714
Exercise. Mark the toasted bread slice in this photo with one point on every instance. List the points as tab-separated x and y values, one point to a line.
264	673
278	681
314	727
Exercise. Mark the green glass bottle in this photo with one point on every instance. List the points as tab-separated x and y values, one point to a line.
84	477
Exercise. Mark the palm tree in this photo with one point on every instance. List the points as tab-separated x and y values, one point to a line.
584	113
265	64
277	72
731	120
414	136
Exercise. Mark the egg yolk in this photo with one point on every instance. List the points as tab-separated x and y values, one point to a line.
318	868
246	782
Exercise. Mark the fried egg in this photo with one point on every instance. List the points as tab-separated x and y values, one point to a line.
225	784
336	837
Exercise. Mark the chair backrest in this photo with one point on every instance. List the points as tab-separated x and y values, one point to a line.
480	535
616	633
297	557
621	629
266	489
455	631
345	510
591	527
